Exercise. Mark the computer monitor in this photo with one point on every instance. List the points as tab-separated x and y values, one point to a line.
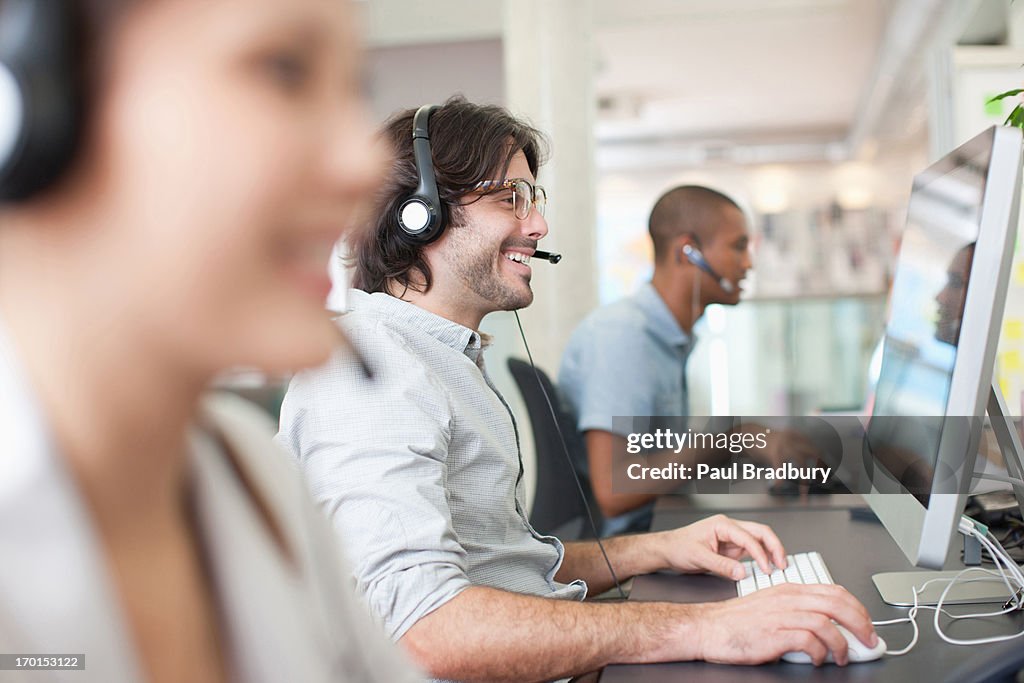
945	314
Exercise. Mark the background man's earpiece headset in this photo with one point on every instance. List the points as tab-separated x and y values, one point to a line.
422	218
694	256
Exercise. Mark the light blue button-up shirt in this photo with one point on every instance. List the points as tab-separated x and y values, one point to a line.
626	359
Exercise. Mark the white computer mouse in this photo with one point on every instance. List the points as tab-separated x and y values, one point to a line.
859	652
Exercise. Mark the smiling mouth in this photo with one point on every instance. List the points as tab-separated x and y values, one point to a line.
517	257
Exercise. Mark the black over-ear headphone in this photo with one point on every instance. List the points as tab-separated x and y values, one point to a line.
40	93
422	216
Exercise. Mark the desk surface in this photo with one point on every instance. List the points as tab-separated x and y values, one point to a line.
675	511
853	550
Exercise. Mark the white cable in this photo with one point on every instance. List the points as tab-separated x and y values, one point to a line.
912	614
971	641
1007	570
995	548
912	618
1000	561
1003	559
695	302
1004	565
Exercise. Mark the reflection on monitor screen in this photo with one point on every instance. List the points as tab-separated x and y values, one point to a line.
926	310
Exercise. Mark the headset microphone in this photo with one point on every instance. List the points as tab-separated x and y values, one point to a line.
548	256
694	256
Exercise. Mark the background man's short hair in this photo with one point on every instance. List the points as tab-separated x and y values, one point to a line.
686	209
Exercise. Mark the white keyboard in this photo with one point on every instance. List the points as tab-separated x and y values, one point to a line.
800	568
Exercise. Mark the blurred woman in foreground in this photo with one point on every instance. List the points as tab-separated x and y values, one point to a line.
221	147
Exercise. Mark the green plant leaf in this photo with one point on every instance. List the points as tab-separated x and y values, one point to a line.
1016	118
1008	93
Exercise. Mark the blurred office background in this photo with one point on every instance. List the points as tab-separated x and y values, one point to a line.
813	114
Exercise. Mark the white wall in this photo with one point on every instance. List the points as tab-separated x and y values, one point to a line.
403	77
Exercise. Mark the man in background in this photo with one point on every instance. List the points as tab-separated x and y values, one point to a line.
629	358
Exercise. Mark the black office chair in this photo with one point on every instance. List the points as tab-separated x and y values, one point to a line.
558	509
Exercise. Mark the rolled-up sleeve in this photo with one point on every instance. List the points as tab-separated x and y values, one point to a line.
374	453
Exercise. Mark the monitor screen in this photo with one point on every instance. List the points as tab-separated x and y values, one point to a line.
926	310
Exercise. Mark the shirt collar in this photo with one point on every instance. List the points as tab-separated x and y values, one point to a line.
458	337
660	320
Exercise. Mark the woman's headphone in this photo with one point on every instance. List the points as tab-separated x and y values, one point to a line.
41	94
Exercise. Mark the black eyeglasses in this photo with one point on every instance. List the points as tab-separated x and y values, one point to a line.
525	195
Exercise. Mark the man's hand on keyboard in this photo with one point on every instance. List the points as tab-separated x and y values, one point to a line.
716	544
765	625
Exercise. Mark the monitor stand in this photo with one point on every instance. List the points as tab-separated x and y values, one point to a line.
896	588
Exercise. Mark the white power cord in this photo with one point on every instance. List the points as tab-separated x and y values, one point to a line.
1006	571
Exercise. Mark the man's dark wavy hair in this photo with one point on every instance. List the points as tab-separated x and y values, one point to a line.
469	143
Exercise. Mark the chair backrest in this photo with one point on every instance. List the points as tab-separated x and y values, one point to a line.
557	507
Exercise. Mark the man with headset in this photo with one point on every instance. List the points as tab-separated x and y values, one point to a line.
420	468
629	358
